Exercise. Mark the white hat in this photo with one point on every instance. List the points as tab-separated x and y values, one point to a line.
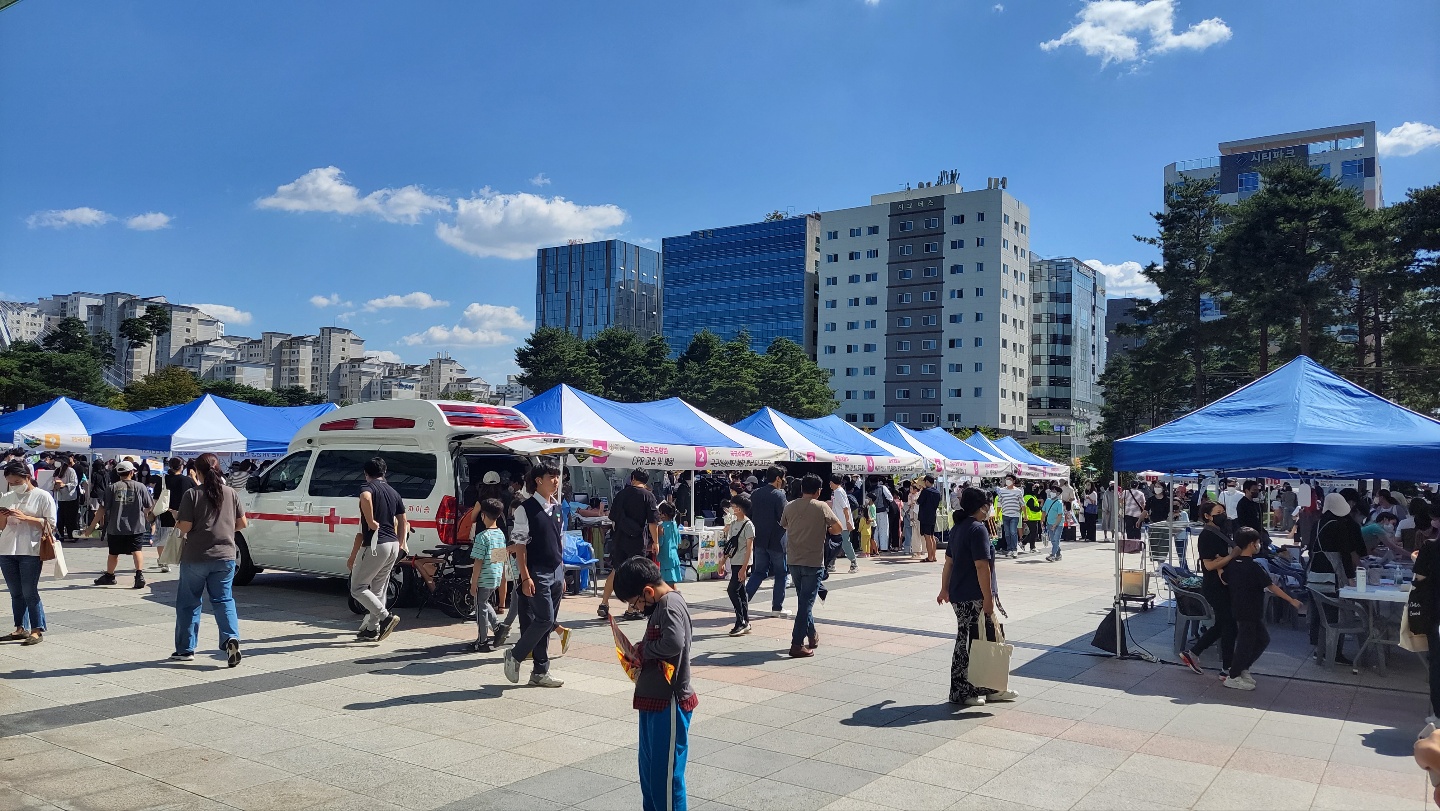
490	477
125	466
1337	505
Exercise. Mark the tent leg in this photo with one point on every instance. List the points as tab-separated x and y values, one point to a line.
1119	574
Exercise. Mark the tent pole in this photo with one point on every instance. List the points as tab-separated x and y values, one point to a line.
1119	573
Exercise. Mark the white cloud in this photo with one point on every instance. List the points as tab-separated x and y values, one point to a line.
332	300
383	355
480	325
1112	30
997	8
409	301
224	312
64	218
1407	139
326	190
151	221
872	2
513	226
1125	280
540	180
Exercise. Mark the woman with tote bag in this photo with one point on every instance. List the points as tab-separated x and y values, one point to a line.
209	516
27	517
968	584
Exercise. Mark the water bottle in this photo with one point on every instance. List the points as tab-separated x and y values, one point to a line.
1360	578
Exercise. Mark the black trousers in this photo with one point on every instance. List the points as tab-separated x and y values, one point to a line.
1132	527
67	517
1223	631
1251	640
738	600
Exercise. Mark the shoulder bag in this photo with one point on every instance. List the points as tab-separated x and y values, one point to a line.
990	660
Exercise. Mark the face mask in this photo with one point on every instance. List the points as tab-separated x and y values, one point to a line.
650	609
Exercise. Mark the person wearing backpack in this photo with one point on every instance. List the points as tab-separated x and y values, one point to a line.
735	551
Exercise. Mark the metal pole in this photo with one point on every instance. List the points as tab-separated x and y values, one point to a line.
1119	576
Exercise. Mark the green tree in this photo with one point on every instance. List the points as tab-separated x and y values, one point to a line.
551	356
29	375
775	216
144	328
69	336
172	385
694	376
463	395
659	367
231	390
789	381
734	373
619	356
297	396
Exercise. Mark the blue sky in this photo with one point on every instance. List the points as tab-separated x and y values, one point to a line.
391	167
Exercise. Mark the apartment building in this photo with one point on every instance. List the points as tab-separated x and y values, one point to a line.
1349	152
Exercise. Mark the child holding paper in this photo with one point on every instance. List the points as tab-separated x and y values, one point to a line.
663	694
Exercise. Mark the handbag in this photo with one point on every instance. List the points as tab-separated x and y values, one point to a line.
47	541
990	660
174	546
1418	613
1409	640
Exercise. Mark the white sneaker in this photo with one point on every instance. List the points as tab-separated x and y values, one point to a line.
783	614
1004	695
975	701
545	680
512	668
1238	684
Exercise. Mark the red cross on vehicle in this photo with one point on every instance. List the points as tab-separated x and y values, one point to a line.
332	520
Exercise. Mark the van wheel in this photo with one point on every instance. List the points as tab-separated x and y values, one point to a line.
246	571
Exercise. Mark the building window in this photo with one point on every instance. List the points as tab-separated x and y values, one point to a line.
872	230
853	255
851	349
868	417
932	247
957	244
979	367
905	250
902	298
829	350
979	267
955	368
1247	182
928	368
929	394
956	292
872	300
930	295
831	304
907	225
932	272
903	418
1004	243
1325	170
851	371
979	392
979	341
854	232
1003	344
870	370
852	302
956	343
956	269
979	242
829	280
872	348
829	326
853	278
902	394
932	222
852	325
1007	218
872	277
1004	293
955	318
957	219
870	324
902	369
928	320
832	257
905	273
873	253
850	418
980	216
1024	229
850	394
903	321
979	292
832	234
1350	169
869	395
902	346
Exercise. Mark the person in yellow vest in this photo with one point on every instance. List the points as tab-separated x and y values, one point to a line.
1034	519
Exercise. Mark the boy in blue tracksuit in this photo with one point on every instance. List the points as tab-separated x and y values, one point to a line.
663	694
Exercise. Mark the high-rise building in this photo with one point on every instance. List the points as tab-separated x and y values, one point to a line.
334	346
1348	152
297	359
584	287
924	313
439	374
1120	312
1067	354
758	277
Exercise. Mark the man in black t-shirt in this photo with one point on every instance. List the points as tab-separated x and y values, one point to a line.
634	516
378	547
968	584
1248	583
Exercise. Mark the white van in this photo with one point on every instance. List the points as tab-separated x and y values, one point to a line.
304	510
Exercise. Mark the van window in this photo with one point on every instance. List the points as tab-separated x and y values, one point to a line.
284	475
339	474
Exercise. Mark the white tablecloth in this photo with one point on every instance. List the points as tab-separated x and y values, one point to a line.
1379	594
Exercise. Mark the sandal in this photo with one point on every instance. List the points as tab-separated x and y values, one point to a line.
604	612
14	636
34	639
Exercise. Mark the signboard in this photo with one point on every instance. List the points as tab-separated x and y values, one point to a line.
1232	166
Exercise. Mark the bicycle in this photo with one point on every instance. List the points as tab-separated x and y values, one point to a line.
439	577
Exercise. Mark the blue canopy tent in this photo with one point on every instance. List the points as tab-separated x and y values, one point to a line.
1023	468
670	434
907	441
955	449
1299	420
847	450
212	424
1017	452
60	425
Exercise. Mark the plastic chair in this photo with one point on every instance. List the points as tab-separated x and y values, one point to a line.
1350	620
1191	608
578	556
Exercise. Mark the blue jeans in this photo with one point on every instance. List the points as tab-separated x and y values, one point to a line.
664	747
214	577
22	580
1057	531
1010	531
807	585
767	563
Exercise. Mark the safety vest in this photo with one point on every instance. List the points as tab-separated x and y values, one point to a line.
1032	509
999	512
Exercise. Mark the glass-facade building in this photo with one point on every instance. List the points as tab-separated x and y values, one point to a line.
758	277
1067	354
588	286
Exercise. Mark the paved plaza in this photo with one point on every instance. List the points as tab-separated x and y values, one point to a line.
96	718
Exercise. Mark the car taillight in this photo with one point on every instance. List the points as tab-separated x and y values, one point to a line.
339	425
445	519
393	422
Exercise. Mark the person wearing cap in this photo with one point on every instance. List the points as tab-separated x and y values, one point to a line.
1341	535
24	511
125	514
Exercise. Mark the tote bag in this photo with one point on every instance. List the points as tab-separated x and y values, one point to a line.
990	661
